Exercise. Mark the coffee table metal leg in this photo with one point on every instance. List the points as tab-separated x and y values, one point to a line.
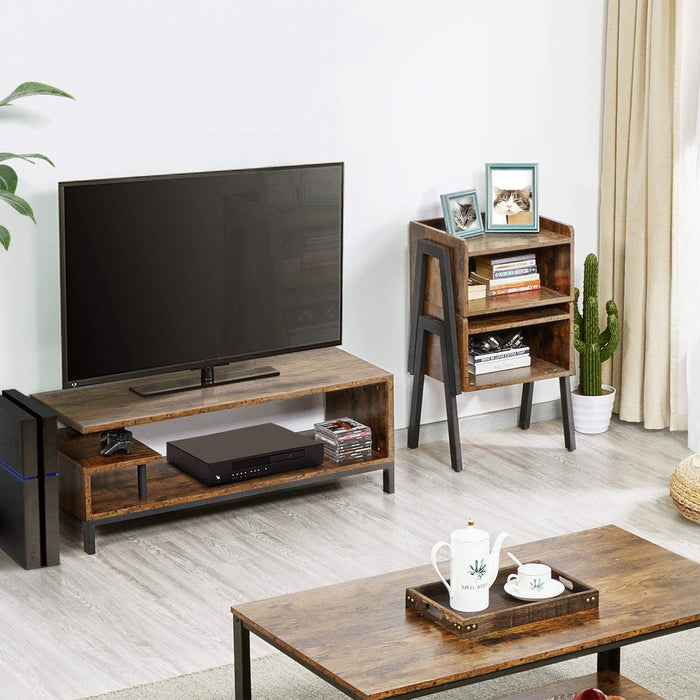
609	660
241	661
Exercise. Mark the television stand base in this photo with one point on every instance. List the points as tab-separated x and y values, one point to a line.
229	374
101	490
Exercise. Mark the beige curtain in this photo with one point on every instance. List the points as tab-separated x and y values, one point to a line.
685	302
636	206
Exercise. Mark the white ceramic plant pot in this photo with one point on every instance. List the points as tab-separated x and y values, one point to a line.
592	413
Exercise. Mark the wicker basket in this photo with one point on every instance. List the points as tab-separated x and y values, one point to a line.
685	487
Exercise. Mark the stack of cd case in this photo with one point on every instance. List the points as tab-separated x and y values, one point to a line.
344	440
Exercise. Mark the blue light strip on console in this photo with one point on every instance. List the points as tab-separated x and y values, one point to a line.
14	473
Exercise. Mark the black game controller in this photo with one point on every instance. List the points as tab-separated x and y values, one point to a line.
119	440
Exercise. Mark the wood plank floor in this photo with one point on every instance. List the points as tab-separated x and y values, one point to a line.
154	601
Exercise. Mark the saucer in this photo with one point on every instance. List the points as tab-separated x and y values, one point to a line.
551	590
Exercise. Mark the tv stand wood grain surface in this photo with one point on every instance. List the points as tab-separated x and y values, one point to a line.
99	490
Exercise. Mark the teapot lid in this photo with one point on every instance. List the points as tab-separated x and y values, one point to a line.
471	533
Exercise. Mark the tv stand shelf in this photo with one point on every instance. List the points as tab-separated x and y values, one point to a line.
99	490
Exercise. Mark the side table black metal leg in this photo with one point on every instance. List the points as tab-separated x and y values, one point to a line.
526	405
609	660
451	408
419	360
567	416
88	537
446	332
453	431
241	661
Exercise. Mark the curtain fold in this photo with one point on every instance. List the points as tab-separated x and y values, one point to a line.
636	206
686	290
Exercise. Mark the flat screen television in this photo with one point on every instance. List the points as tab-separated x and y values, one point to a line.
196	271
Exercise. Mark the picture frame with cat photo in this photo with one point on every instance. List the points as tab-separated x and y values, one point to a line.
512	201
462	213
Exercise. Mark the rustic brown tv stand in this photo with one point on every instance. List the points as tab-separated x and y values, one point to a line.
100	490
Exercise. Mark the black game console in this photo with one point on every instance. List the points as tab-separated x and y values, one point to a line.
245	453
28	481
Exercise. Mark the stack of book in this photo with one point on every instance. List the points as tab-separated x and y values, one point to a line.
344	440
506	275
498	360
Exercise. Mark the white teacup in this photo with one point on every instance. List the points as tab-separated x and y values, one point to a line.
531	578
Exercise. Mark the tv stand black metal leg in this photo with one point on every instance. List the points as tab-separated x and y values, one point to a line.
388	478
446	332
143	491
88	537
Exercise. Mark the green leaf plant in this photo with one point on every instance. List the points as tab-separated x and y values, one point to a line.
594	346
8	176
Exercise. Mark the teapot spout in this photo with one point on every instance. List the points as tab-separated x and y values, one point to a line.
494	557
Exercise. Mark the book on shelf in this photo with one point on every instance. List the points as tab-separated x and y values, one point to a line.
500	365
475	290
534	286
491	273
508	282
481	357
526	283
497	261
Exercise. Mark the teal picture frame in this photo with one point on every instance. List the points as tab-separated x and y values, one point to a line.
508	185
452	208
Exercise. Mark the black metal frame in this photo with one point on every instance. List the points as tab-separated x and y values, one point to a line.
89	526
608	659
446	331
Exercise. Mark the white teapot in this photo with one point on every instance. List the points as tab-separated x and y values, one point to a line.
473	569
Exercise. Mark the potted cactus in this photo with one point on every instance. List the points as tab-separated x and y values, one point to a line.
592	401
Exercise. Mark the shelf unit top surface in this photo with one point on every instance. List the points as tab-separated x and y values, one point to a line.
493	243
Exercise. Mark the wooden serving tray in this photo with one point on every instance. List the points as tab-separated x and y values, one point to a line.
431	601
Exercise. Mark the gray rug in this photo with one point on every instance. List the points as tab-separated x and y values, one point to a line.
668	666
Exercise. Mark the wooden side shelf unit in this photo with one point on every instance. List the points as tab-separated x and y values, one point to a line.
100	490
544	316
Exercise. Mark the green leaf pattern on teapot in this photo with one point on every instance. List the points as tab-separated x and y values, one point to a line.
478	569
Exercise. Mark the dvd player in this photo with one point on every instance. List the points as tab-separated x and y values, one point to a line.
244	453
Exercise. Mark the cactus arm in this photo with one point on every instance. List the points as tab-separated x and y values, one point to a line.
611	334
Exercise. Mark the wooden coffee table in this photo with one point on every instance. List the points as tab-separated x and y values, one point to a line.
359	637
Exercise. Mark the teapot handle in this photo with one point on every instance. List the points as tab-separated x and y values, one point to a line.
433	558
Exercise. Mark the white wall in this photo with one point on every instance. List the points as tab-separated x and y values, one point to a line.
414	96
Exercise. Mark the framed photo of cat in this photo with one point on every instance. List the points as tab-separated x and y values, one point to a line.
462	214
511	194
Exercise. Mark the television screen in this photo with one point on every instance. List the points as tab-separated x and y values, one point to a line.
195	270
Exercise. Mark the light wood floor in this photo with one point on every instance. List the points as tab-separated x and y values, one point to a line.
154	601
